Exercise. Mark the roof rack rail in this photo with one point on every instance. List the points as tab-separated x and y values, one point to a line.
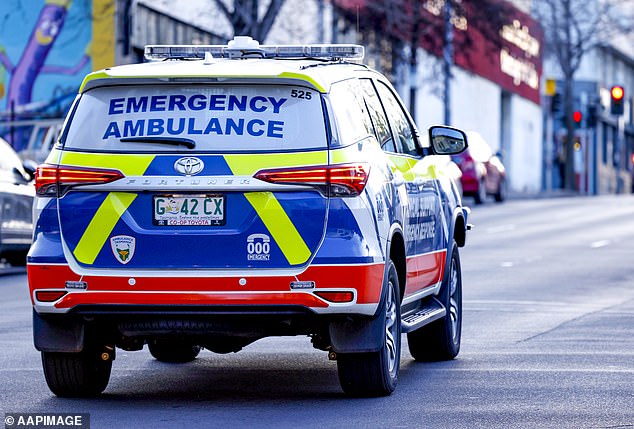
246	47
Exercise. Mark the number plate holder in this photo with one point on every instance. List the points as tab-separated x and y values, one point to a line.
189	210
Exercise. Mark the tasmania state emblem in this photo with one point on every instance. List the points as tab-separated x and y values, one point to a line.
123	247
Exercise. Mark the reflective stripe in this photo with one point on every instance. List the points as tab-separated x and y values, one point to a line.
248	165
305	78
406	166
129	165
280	226
101	226
103	75
115	204
266	205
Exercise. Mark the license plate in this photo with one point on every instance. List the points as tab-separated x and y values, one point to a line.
189	210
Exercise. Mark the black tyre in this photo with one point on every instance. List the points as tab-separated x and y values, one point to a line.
440	340
77	374
481	194
16	259
500	195
376	373
173	351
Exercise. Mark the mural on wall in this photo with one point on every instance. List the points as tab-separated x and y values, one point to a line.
44	55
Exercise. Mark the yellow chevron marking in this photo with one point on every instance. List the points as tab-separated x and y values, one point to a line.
115	204
101	226
280	226
266	205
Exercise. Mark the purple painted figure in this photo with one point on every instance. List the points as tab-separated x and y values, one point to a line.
23	75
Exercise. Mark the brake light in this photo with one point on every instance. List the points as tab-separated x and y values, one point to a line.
56	180
340	180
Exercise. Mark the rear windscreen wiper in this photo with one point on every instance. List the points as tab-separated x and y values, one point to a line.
178	141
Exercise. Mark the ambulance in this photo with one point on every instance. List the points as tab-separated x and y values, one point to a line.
216	195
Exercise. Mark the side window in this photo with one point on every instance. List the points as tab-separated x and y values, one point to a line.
351	114
377	115
401	127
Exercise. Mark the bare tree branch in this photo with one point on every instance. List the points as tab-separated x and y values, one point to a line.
573	28
245	20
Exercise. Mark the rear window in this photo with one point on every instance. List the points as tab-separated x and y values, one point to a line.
236	118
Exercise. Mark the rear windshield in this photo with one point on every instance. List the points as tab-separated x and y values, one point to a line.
237	118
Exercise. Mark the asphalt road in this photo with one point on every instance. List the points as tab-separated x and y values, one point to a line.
548	342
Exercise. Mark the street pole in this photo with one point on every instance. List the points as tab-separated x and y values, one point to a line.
548	149
447	60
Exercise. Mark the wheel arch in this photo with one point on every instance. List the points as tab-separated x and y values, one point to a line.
396	252
459	232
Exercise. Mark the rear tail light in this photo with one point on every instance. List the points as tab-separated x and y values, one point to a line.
56	180
49	296
340	180
467	163
336	296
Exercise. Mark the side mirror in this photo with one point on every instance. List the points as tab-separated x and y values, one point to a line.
446	140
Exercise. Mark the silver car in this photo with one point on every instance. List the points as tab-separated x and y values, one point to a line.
16	201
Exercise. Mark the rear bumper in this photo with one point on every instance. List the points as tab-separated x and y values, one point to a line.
362	283
221	329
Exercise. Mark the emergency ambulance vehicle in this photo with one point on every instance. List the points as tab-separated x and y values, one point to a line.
217	195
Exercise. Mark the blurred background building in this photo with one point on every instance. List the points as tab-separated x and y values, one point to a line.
489	66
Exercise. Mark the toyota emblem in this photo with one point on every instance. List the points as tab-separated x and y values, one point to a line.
189	166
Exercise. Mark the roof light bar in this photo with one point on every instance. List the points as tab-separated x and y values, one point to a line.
246	47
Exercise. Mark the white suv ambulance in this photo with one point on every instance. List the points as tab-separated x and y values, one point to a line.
217	195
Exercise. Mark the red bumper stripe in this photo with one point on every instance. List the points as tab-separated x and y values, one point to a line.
366	279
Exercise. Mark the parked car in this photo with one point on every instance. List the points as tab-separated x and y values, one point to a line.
43	136
217	195
16	203
483	173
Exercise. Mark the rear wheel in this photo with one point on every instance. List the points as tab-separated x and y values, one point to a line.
77	374
173	351
502	192
376	373
440	340
17	258
481	193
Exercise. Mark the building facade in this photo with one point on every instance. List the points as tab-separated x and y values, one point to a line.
495	85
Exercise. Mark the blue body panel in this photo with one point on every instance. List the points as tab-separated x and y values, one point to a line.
211	247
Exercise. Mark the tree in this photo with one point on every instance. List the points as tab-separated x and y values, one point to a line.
572	29
245	18
439	26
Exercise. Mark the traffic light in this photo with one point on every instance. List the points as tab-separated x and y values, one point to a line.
617	95
593	116
577	117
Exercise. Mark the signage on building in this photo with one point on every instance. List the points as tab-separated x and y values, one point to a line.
492	39
509	55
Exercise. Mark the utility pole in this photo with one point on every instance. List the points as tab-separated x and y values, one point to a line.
447	60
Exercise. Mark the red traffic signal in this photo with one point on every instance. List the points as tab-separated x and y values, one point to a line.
617	92
617	95
577	117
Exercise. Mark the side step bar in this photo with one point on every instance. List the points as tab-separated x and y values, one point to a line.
430	311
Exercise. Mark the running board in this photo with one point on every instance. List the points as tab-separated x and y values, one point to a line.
430	311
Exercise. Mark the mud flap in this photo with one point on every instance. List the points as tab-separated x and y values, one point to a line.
357	335
57	335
